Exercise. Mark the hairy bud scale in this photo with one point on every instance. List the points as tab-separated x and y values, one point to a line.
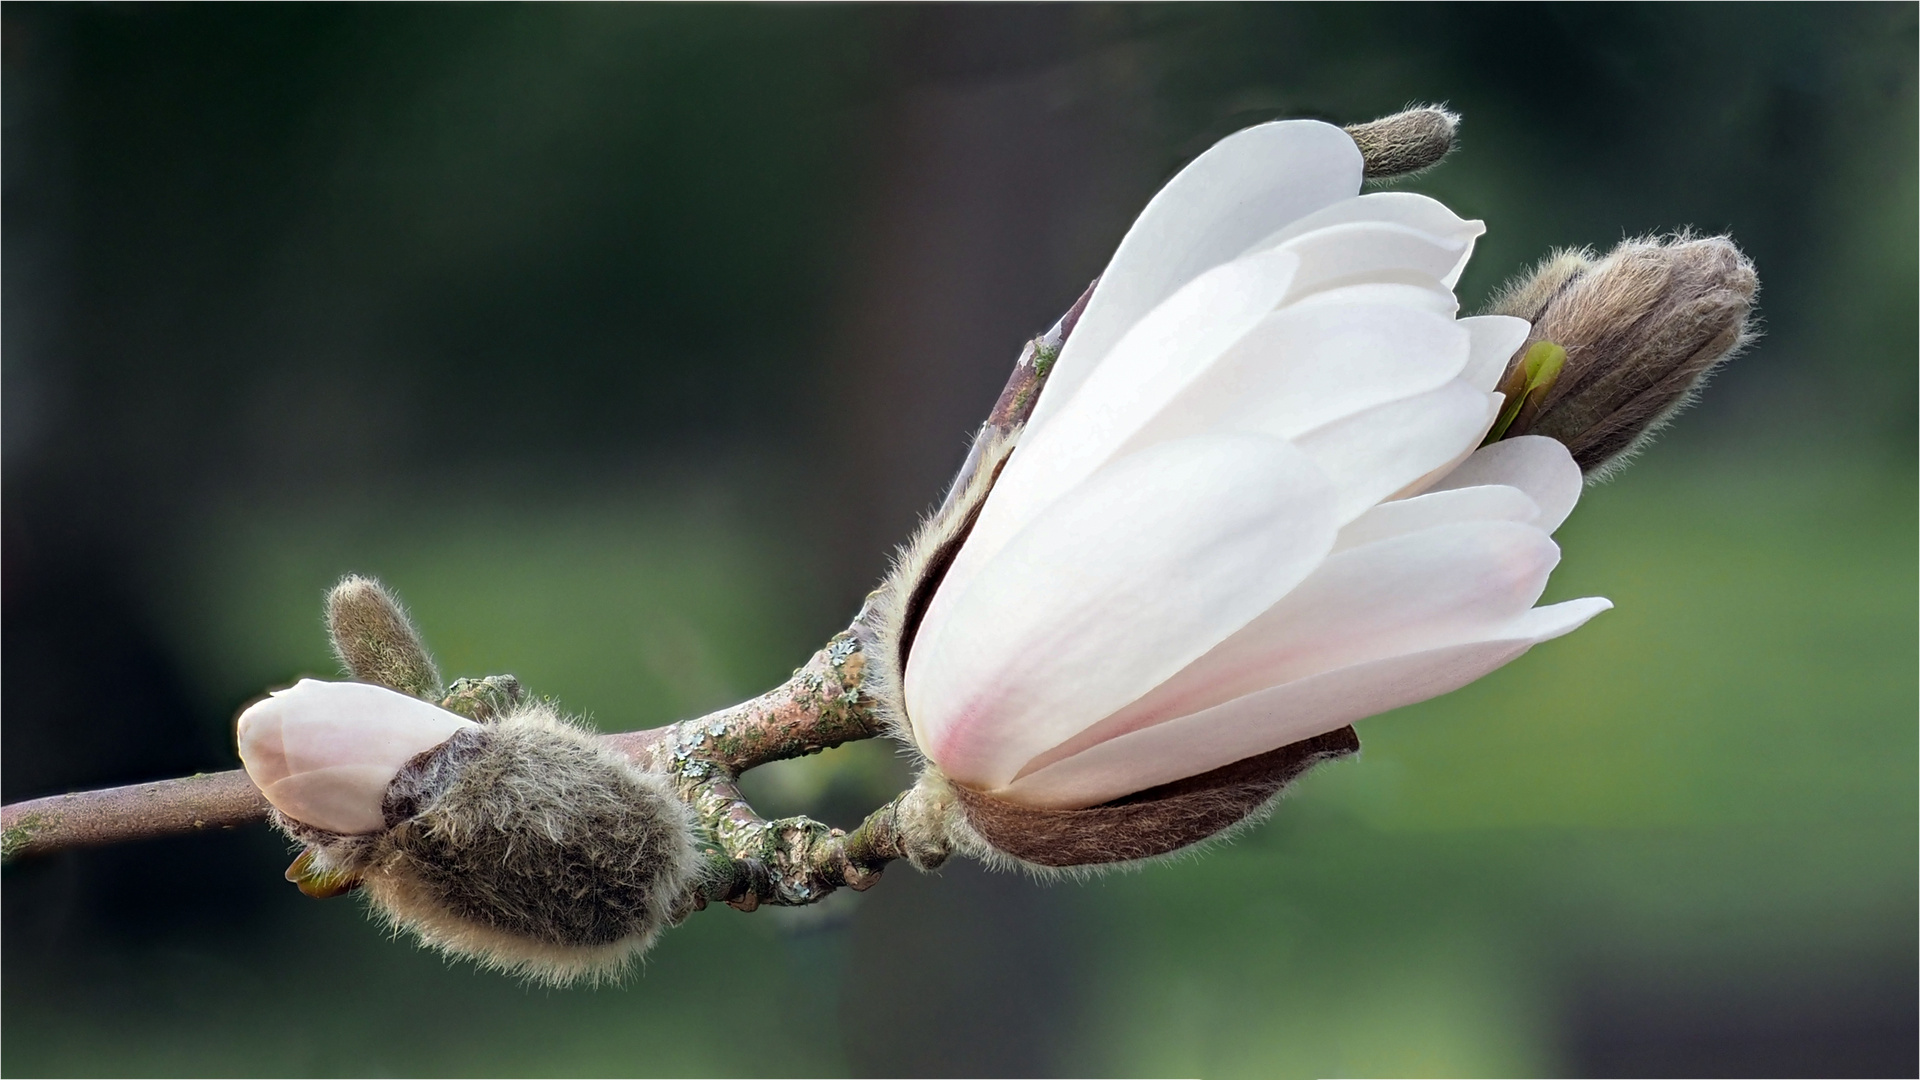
522	843
1642	329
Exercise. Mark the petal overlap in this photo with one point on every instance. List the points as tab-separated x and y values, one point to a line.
1247	185
324	752
1251	725
1248	508
1111	591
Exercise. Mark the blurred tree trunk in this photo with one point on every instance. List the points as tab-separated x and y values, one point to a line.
998	190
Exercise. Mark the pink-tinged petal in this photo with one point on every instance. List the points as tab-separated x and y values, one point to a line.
1495	339
261	736
1373	454
1272	718
332	748
1133	575
340	798
1303	368
1535	464
1246	185
1493	502
1166	350
1403	208
1426	590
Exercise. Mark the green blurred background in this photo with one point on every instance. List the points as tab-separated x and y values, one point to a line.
625	341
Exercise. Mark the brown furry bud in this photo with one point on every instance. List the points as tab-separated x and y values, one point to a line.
1642	329
523	844
1145	825
1406	142
375	640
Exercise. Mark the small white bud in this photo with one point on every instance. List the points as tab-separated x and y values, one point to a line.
323	753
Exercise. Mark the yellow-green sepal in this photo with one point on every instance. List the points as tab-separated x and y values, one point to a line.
318	882
1538	369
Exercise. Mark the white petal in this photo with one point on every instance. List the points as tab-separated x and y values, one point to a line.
1304	368
1493	502
1163	353
1419	291
1246	185
1284	714
1373	454
343	798
1439	472
1129	578
1419	212
1369	251
330	749
1535	464
1426	590
1495	339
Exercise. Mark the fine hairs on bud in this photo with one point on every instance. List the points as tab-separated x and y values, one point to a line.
375	640
1406	142
897	606
1171	820
1642	329
525	845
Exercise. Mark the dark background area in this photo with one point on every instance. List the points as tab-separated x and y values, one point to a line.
624	341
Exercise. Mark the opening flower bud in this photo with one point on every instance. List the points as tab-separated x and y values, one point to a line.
1246	512
1642	329
522	843
323	753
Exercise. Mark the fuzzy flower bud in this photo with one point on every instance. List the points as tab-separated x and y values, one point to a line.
375	640
521	843
1641	330
1406	142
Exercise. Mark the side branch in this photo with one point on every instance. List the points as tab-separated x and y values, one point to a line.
786	861
136	812
819	707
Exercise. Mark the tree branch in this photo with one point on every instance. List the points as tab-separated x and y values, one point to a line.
818	707
750	860
136	812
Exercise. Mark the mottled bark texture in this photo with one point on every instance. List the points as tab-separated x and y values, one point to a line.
748	859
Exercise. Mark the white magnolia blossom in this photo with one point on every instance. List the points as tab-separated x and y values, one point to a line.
1248	508
323	753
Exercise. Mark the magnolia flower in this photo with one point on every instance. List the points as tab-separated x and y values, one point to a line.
1248	508
323	753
